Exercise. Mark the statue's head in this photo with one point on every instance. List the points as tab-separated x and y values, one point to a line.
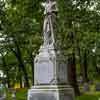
50	7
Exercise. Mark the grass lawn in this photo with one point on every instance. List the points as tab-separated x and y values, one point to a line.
21	94
89	96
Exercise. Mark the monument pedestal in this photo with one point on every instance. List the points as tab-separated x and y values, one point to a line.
51	92
51	81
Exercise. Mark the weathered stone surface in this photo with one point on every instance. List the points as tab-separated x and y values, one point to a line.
44	72
42	96
62	73
66	96
44	67
51	93
2	98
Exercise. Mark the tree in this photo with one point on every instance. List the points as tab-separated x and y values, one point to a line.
80	18
19	29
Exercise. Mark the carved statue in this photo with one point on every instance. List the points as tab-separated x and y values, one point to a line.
48	28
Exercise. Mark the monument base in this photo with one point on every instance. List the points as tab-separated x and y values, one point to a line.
51	92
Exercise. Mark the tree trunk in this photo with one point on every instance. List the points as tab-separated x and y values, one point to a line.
20	78
21	83
18	55
95	64
80	60
25	74
97	70
84	67
8	79
72	74
7	71
72	66
32	67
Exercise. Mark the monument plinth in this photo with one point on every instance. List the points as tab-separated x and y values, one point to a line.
50	67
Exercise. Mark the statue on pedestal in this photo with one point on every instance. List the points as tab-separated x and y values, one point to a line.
48	28
50	69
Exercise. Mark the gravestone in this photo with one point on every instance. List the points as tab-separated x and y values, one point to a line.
13	94
80	81
2	92
98	86
3	96
86	87
50	67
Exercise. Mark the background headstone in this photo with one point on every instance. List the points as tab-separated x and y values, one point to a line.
97	86
2	92
86	87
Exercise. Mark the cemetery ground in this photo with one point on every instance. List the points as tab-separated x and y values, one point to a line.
21	94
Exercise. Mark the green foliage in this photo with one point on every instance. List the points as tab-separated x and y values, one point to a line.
21	27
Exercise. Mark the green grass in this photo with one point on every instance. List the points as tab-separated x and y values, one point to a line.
21	94
89	96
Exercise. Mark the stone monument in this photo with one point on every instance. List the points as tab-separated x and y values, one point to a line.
50	72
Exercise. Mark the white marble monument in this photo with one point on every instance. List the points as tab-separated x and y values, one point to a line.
50	72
